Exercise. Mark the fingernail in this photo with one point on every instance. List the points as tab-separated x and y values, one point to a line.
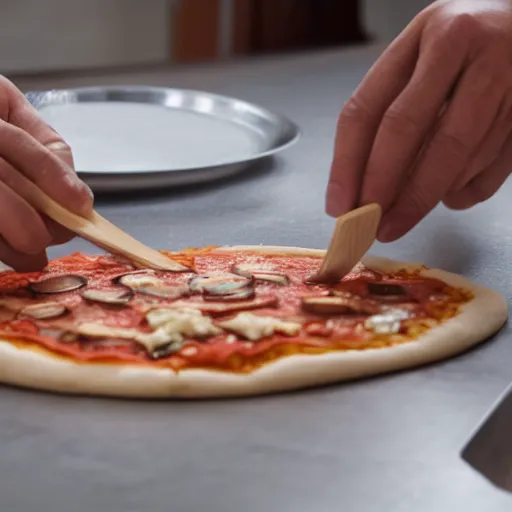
336	203
89	192
90	203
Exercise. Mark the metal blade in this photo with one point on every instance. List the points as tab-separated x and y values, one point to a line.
489	450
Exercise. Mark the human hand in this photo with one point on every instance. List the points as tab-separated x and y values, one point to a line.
432	119
30	147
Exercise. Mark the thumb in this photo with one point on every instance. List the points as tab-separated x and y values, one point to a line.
47	159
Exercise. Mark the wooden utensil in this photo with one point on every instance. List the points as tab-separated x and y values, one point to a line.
99	231
354	233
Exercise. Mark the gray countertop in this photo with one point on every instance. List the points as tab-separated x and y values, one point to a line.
386	444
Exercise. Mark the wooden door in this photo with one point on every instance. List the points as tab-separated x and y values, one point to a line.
262	26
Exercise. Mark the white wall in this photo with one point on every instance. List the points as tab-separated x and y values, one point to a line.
39	35
384	19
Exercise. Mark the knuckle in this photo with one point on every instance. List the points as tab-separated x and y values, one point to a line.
418	202
14	137
6	173
355	109
43	164
466	25
450	146
397	120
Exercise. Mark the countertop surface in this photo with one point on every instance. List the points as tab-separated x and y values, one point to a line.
386	444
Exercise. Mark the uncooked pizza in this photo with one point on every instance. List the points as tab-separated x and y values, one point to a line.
230	321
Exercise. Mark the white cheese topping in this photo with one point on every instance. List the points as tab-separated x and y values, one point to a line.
140	280
388	322
151	341
187	321
255	327
170	326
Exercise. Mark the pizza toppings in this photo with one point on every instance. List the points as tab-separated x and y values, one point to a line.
338	305
386	289
215	318
58	284
255	327
116	296
242	294
44	311
150	341
59	334
389	322
214	283
148	283
261	274
219	307
187	322
169	327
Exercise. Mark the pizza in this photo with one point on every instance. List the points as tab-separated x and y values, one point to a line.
233	321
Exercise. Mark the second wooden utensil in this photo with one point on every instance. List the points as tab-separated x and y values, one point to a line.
354	233
100	231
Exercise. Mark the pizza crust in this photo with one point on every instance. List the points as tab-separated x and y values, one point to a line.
479	319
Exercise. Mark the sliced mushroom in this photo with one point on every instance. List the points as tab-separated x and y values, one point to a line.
44	311
58	284
242	294
59	334
163	291
385	289
166	350
337	306
225	307
215	283
276	278
136	279
68	337
260	274
149	284
116	296
389	322
246	269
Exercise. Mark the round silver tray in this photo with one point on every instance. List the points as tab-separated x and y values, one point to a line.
137	137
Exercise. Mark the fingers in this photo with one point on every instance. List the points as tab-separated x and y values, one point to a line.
20	261
59	234
47	231
361	116
409	119
35	149
485	184
448	153
20	225
492	145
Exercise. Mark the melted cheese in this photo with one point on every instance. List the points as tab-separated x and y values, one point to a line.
387	323
170	326
255	327
186	321
151	341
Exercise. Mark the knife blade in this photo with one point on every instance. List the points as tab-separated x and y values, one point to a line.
489	449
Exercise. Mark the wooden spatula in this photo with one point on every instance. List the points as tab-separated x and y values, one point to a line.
99	231
354	233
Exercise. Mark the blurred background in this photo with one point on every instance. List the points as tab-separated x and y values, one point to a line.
46	36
